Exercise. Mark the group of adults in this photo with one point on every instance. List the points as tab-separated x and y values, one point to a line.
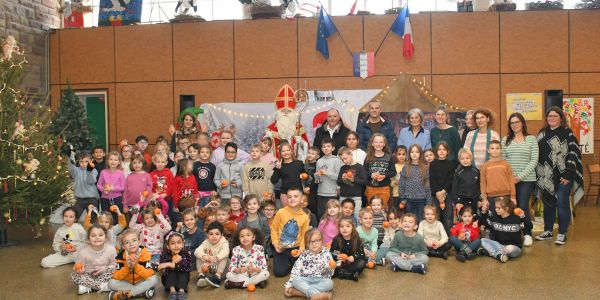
550	161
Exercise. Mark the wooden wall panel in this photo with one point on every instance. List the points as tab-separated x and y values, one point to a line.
389	59
531	83
534	41
464	43
55	57
332	83
209	91
585	40
144	53
144	108
585	83
55	95
470	92
312	63
203	50
87	55
265	48
261	90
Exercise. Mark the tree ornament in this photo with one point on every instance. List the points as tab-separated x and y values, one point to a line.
19	162
8	47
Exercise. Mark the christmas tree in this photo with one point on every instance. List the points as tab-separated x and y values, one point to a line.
71	122
33	175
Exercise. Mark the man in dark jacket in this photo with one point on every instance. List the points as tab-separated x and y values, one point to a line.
334	128
375	123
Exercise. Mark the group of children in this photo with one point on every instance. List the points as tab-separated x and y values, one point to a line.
225	215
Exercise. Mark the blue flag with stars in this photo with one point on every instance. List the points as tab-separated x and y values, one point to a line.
325	29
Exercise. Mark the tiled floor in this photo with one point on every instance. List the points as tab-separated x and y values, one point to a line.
544	271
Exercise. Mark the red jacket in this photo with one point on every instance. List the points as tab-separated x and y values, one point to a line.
471	231
162	181
184	187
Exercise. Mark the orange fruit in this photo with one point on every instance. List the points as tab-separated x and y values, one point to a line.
386	224
266	195
114	208
370	265
69	247
79	266
145	194
204	269
92	164
295	253
157	211
224	182
369	207
332	264
304	176
175	257
461	236
349	174
402	205
328	245
251	288
518	211
343	256
442	205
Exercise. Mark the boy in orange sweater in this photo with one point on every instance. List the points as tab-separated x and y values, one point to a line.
287	233
134	275
497	176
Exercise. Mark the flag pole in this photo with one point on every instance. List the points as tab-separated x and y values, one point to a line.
338	30
388	32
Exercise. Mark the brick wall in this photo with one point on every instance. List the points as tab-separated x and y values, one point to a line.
28	21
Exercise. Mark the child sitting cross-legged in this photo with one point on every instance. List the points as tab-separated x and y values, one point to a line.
348	250
95	262
408	251
248	262
212	256
434	233
176	265
506	230
311	274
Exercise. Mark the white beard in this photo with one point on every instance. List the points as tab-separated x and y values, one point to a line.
286	125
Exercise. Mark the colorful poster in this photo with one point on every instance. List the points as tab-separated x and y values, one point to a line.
528	104
119	12
580	117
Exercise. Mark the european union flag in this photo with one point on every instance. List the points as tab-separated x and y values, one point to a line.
325	29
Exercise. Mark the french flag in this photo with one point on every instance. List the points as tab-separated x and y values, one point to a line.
401	27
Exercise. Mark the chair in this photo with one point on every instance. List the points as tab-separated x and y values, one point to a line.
593	170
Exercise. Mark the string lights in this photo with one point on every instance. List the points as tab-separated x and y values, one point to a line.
326	104
422	88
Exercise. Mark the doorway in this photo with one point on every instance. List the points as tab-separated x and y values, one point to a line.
96	112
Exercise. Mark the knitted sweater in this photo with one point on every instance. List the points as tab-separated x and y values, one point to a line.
480	147
381	165
522	157
220	250
312	265
162	181
94	260
434	232
411	185
184	187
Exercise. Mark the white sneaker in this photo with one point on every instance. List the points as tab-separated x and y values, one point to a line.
527	240
83	290
561	239
104	288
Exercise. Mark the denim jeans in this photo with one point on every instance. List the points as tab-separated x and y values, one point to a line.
495	248
311	286
524	190
204	201
416	206
107	203
283	262
445	214
458	244
563	206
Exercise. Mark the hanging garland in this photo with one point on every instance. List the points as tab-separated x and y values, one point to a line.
344	103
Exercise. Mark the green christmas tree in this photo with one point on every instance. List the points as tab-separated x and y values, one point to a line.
71	122
33	175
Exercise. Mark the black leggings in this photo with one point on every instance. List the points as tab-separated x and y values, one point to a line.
178	280
351	268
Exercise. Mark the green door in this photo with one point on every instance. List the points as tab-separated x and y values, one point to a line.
95	106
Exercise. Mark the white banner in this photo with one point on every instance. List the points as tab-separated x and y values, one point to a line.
251	119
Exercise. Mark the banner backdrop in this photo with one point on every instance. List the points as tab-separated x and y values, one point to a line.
117	13
580	117
251	119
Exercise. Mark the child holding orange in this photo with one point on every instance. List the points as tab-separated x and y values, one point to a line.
348	250
95	263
